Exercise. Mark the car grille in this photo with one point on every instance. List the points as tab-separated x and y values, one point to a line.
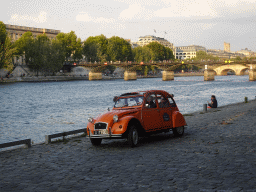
100	126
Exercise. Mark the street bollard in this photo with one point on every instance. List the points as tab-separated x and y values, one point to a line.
246	99
204	107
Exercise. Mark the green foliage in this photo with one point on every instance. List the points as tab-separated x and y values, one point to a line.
41	54
95	48
24	45
238	58
160	52
2	32
145	71
7	49
119	49
72	45
202	55
142	54
6	54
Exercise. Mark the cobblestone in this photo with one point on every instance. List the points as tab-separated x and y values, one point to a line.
216	153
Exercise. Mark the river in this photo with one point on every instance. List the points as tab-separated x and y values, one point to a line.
33	110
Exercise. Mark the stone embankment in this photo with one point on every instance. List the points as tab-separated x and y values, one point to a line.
216	153
82	77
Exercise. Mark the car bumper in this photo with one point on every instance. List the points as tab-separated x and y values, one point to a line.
97	134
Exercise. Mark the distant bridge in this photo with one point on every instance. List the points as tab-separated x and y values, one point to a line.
211	69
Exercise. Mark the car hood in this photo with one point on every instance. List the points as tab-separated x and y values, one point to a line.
107	117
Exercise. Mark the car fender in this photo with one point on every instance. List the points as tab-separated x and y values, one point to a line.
121	125
178	119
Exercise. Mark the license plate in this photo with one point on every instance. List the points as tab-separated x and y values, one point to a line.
101	132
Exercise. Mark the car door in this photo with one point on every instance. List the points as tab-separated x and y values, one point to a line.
150	114
165	111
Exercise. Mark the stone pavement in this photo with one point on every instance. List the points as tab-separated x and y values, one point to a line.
216	153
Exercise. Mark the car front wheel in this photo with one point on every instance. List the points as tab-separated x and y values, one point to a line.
178	131
95	141
133	136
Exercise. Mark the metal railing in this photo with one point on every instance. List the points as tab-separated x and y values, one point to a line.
27	142
49	137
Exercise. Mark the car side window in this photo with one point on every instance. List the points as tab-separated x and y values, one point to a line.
162	101
151	101
172	103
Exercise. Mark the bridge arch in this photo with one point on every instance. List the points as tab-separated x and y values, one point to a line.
237	68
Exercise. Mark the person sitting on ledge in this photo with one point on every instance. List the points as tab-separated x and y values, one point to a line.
214	103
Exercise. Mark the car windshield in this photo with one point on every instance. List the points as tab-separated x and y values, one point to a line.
129	101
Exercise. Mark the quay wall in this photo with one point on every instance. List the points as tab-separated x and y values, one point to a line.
82	77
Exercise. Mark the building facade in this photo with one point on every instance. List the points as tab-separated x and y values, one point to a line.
144	40
223	54
187	52
246	52
226	47
16	31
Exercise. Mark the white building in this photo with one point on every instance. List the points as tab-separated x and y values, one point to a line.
187	52
150	38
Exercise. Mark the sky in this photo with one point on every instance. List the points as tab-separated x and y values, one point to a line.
208	23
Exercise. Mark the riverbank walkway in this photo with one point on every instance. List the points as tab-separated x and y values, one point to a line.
216	153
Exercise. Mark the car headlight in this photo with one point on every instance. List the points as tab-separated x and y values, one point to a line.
115	118
90	119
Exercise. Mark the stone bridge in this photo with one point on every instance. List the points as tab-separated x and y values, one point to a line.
211	69
237	68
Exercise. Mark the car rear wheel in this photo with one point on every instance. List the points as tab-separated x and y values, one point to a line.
133	136
95	141
178	131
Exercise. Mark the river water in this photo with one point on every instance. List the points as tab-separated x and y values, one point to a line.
33	110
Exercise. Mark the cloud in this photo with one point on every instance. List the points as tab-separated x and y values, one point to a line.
131	12
135	11
85	17
41	18
187	9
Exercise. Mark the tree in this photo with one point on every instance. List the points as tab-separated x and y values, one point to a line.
7	50
40	53
7	53
202	55
95	48
55	56
169	54
72	46
2	32
119	49
142	54
160	52
24	46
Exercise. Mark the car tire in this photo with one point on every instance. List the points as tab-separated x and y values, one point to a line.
133	136
95	141
178	131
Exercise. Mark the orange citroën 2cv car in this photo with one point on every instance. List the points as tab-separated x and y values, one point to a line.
136	114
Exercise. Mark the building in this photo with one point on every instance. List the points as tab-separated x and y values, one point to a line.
246	52
150	38
223	54
16	31
226	47
187	52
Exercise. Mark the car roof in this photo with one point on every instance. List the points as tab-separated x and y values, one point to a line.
133	93
144	92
